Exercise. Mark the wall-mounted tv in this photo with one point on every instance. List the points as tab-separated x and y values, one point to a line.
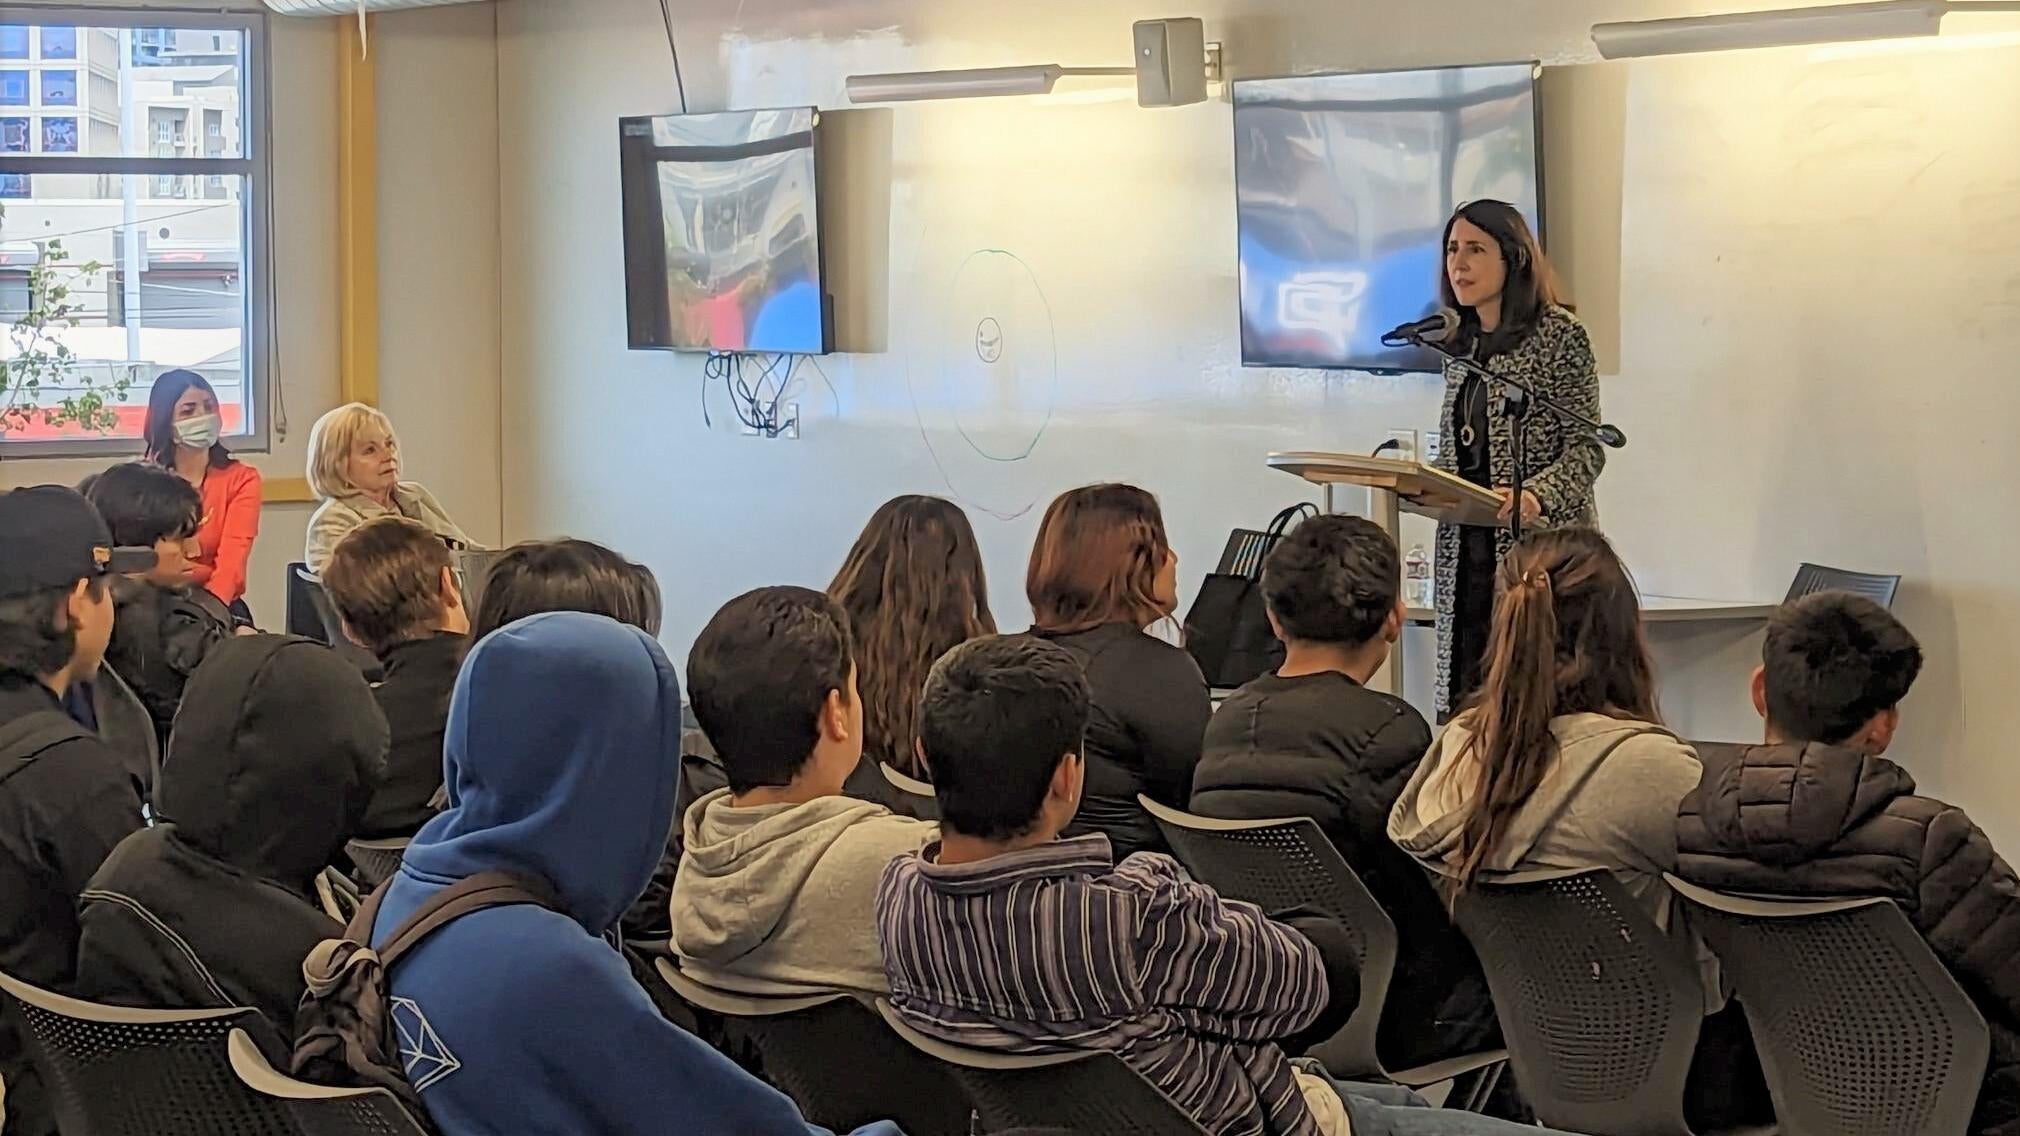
722	247
1342	187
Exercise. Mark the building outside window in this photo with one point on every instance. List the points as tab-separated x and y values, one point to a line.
181	265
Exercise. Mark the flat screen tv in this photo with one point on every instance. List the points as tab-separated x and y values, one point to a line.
1343	184
722	247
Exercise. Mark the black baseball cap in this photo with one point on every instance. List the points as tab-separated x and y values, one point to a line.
54	538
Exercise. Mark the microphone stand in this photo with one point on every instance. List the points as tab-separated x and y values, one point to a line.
1515	401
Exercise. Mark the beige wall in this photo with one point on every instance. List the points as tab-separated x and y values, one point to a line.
438	267
1770	239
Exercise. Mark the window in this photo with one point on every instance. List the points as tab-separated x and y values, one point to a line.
59	88
59	135
164	255
13	41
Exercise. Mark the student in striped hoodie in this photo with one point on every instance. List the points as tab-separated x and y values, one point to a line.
1002	936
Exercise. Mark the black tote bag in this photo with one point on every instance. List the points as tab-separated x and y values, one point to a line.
1228	628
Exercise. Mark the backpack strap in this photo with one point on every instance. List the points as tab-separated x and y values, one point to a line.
26	738
465	896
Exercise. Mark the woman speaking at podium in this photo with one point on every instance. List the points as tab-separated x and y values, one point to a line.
1511	322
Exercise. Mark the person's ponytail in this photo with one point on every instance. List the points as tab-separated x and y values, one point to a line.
1511	728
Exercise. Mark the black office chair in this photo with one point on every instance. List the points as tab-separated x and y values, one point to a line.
917	795
1813	578
1086	1091
1289	863
1861	1029
1600	1008
830	1053
319	1110
312	615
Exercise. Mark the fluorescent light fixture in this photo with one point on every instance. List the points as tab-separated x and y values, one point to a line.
1836	23
984	82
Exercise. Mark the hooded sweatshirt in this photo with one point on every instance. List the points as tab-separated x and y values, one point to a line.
1608	801
561	757
276	750
780	898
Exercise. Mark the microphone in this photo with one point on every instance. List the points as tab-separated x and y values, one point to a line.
1612	436
1437	327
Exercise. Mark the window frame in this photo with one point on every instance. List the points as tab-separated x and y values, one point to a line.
253	166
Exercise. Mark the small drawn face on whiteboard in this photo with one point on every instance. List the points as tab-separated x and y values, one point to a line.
989	340
1473	263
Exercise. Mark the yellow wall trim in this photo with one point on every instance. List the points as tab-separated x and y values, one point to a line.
285	490
357	217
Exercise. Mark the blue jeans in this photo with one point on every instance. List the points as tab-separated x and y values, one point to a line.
1392	1110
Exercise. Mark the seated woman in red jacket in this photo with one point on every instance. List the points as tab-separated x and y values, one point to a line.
182	432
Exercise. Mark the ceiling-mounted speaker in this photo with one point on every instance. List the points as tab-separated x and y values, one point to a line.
1170	62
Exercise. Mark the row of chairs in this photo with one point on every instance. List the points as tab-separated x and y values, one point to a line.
113	1071
1859	1026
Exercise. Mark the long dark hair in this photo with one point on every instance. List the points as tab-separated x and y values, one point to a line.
1566	639
159	434
1096	560
1530	291
914	589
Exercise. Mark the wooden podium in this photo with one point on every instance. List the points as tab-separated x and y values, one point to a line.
1394	486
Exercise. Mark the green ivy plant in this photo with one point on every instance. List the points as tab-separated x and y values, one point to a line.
41	382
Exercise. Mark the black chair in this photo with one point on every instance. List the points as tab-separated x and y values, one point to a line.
313	616
1813	578
1085	1091
830	1054
1289	863
376	860
1861	1029
113	1071
918	795
1601	1009
319	1110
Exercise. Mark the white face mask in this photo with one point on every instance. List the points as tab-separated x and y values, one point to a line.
199	433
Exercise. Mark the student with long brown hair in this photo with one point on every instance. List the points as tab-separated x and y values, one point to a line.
914	589
1560	761
1101	572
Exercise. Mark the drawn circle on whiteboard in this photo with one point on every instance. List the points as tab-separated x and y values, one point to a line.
1001	388
989	340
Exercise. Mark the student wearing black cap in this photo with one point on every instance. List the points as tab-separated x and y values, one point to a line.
65	799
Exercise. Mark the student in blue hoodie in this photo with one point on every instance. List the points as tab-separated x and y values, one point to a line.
561	759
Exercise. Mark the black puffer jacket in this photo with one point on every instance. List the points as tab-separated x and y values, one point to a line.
159	637
1815	820
275	753
1325	747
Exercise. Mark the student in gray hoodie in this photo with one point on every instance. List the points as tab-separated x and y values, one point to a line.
1559	762
777	886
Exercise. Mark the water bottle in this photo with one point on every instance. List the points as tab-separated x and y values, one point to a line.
1417	584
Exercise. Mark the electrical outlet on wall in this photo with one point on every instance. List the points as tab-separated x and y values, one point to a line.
1434	444
1406	445
788	427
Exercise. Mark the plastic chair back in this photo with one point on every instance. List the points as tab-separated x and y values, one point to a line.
830	1053
918	794
326	626
1600	1009
318	1110
1861	1029
1281	864
1086	1091
112	1071
376	860
1813	578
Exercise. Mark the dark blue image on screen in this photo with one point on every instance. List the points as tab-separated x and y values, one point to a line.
721	232
1343	184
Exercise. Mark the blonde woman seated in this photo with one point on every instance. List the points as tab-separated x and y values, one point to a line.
354	470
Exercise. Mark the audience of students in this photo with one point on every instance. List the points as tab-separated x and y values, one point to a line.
354	470
1002	935
780	870
522	1018
393	585
182	433
1818	811
65	797
913	588
1312	740
164	625
275	753
1101	572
